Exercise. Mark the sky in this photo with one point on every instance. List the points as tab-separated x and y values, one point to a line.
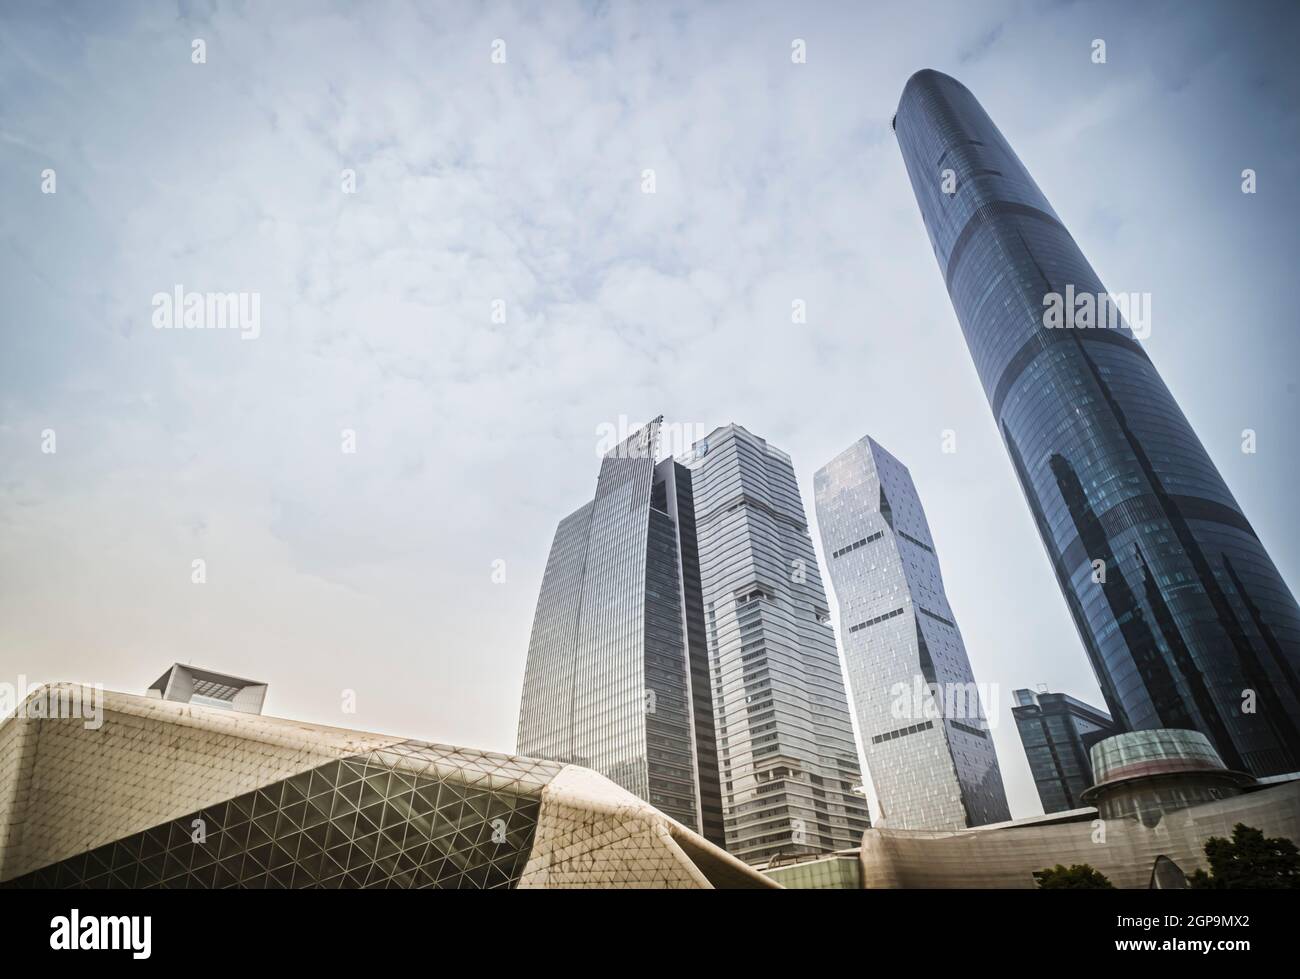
494	287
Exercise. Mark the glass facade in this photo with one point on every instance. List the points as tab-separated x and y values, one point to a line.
841	872
1184	617
607	683
920	716
1141	754
395	817
786	757
673	495
1057	732
1145	774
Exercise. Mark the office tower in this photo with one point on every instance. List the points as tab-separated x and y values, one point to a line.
927	747
786	755
1185	619
672	494
608	682
1058	732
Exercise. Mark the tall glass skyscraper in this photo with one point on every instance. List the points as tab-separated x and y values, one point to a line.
924	736
786	756
617	641
1185	618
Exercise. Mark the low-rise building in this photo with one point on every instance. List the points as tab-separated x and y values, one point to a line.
158	793
1162	795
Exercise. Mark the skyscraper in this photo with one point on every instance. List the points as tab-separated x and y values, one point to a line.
1184	617
786	756
1057	732
928	750
608	681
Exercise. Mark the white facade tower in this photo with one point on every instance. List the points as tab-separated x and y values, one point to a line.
920	718
786	757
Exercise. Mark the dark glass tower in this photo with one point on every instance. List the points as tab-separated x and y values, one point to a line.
617	677
1058	732
1191	625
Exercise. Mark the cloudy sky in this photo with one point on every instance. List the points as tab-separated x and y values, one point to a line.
523	182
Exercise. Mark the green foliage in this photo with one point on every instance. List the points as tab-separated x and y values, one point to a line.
1078	877
1248	860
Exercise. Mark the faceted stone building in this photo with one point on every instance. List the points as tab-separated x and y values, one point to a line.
163	794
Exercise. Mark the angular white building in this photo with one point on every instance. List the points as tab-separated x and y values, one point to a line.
920	718
145	792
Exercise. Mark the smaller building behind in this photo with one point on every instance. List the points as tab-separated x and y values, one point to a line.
191	685
1057	732
1160	795
840	871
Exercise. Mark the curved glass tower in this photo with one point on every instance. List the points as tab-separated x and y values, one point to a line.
1186	620
608	681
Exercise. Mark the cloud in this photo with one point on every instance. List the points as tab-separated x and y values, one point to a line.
521	182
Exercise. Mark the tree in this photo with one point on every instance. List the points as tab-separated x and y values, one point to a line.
1249	860
1077	877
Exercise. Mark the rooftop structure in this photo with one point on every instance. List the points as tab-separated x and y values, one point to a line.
191	685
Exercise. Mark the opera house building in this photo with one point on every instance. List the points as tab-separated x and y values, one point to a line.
191	787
